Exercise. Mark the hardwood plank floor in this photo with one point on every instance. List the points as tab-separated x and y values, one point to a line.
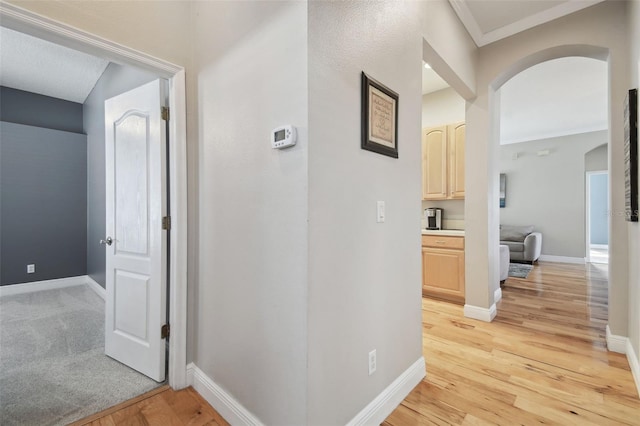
162	406
543	360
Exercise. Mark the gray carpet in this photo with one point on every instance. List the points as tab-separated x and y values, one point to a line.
519	270
52	364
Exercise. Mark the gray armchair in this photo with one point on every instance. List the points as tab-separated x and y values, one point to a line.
524	244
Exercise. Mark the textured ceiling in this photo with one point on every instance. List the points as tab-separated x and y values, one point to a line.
555	98
34	65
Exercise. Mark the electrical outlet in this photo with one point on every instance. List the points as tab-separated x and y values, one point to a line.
372	362
31	268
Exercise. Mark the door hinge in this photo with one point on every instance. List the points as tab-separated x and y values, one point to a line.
166	223
164	331
165	113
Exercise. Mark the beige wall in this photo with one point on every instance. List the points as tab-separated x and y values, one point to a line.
634	228
589	32
161	30
364	277
250	71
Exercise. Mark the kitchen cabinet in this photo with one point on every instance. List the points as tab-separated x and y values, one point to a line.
443	267
443	150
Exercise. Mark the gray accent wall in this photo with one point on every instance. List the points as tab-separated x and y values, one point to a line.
43	195
115	80
18	106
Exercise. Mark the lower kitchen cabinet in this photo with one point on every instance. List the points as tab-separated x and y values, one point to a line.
443	267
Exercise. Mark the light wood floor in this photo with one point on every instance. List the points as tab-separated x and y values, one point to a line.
162	406
543	360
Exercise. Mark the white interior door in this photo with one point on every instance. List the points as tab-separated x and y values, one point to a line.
136	244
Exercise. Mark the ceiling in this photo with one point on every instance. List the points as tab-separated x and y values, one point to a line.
34	65
431	81
555	98
492	20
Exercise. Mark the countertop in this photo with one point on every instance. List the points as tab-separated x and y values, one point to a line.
444	232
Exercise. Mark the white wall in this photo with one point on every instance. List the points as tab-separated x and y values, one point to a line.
590	32
634	228
364	277
597	159
251	70
548	192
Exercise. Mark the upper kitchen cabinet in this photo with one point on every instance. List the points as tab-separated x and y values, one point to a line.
434	163
443	162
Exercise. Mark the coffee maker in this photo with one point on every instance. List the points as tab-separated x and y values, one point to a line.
434	218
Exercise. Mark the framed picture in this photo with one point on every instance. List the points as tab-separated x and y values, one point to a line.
379	118
631	156
503	190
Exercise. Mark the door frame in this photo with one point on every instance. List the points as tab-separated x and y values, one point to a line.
587	205
27	22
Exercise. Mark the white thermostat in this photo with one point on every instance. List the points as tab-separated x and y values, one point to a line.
283	137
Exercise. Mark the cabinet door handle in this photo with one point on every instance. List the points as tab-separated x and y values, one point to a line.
441	242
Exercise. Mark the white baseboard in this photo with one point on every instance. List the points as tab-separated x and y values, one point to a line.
616	343
374	413
228	407
482	314
387	401
599	246
622	345
8	290
100	291
562	259
632	357
497	295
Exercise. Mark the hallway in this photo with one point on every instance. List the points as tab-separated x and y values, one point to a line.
543	360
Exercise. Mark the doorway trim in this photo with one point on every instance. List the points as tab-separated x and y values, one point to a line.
19	19
587	205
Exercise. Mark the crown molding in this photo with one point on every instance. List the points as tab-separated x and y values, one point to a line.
482	39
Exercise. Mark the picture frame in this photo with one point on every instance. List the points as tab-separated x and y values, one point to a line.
379	118
503	190
631	156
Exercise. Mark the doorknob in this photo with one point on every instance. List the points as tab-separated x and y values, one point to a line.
108	241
